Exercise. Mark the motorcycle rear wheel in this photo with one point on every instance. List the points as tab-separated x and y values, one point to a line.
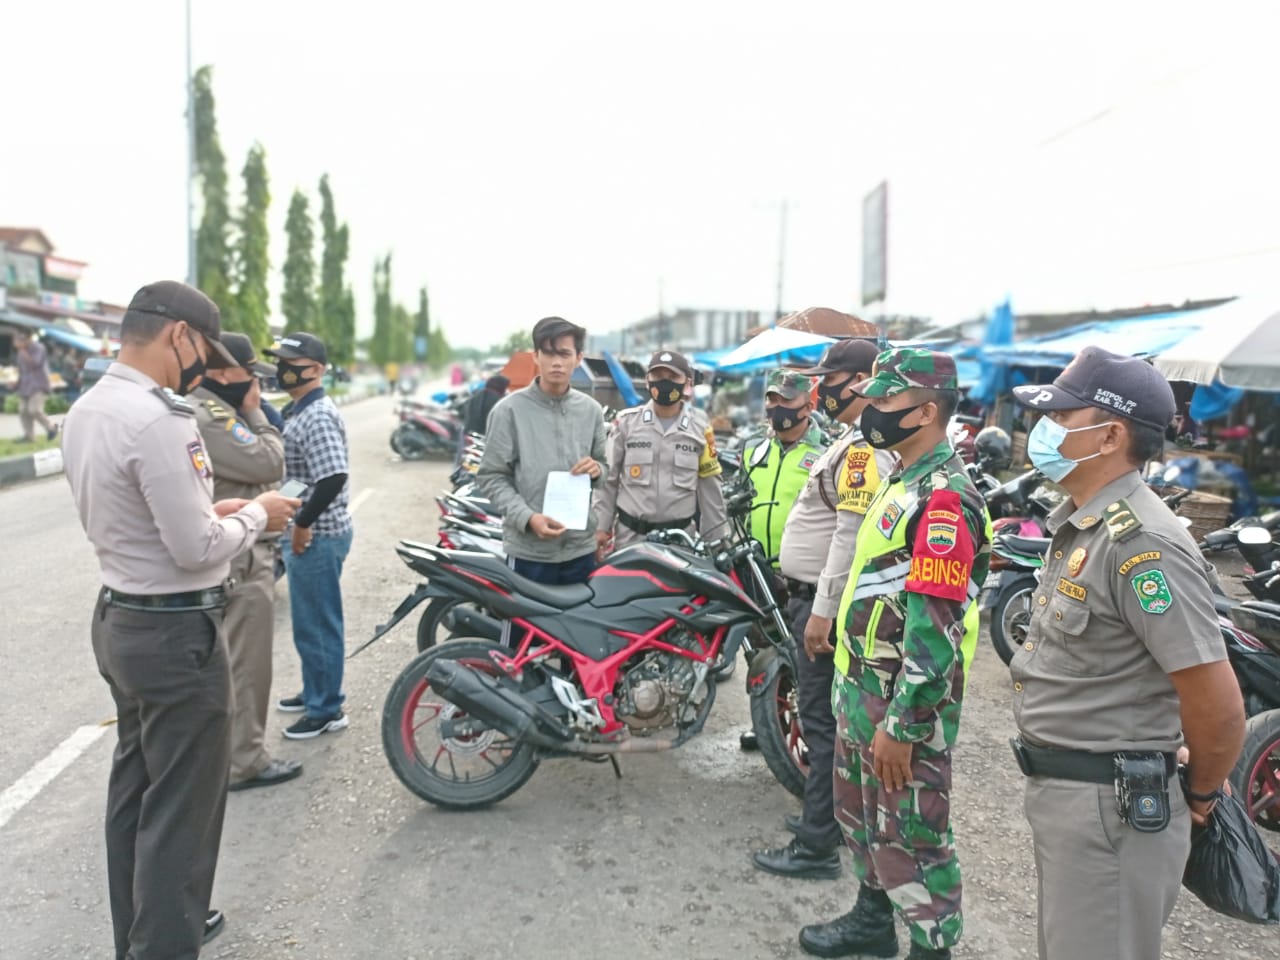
1255	781
456	773
432	629
407	442
1011	615
775	718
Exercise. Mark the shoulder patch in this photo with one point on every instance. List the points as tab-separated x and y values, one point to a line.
174	402
808	460
239	432
943	552
1121	521
216	410
1138	558
1154	595
708	463
199	460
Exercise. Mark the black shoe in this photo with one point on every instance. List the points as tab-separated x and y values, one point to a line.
747	741
213	925
866	929
919	952
277	771
794	822
798	860
309	727
291	704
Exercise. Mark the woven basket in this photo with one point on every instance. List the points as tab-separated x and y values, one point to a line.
1206	511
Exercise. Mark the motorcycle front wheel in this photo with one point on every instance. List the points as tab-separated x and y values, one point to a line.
775	718
457	772
1255	781
1011	616
407	441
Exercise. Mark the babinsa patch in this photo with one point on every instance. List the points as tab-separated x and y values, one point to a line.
1153	591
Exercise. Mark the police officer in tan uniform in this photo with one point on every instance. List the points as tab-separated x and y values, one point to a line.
143	487
247	456
1122	665
818	541
662	464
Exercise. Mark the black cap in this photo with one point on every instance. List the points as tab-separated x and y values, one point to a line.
177	301
854	355
1109	381
299	346
553	328
241	349
671	360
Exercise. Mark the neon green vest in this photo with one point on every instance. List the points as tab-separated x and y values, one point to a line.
884	532
779	478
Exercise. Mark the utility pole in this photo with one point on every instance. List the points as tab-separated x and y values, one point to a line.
662	319
191	159
782	256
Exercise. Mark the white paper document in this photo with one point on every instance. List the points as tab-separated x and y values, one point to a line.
568	498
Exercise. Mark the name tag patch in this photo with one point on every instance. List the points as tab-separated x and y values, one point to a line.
1072	590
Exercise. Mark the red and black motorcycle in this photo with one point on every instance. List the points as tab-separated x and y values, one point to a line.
620	664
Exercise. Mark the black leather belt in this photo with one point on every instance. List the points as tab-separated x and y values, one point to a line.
798	588
209	599
643	527
1078	765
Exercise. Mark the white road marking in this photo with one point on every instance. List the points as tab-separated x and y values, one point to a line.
361	497
43	773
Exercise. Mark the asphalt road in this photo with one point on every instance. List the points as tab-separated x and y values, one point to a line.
346	863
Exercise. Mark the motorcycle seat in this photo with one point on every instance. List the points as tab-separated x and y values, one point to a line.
560	597
1027	546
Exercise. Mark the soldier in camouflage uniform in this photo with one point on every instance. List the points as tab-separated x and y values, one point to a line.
908	625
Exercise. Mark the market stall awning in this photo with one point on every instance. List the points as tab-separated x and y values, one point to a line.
775	347
1133	337
1239	347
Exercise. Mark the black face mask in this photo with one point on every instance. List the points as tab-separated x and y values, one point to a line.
188	376
784	418
291	376
884	429
232	393
666	392
833	404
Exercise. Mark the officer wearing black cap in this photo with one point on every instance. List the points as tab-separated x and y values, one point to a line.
662	463
247	455
1122	665
142	483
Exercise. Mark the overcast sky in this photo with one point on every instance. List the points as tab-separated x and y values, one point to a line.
526	158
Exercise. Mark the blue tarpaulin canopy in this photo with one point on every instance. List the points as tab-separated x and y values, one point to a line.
1133	337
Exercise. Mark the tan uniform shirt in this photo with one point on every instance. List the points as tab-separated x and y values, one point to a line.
245	450
1124	600
141	480
658	474
822	526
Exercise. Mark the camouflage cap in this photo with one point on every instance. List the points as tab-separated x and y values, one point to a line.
788	384
905	368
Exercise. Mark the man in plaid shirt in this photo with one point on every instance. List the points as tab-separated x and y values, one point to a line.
315	452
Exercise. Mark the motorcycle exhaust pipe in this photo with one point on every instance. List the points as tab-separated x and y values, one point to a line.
473	623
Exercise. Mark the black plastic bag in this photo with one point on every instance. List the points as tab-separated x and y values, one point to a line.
1231	869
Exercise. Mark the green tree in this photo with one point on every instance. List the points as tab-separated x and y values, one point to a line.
336	321
520	340
298	300
380	345
401	347
438	350
422	327
213	238
253	254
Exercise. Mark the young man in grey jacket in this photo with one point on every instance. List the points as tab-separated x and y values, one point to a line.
544	427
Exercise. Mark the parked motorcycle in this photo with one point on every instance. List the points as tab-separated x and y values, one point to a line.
425	430
1255	780
1015	565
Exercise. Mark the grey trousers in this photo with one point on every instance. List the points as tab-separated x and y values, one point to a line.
167	793
249	625
1105	890
818	827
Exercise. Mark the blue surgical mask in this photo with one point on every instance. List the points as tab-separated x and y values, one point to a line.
1044	448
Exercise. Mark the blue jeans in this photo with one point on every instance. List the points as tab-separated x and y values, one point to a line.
556	574
315	603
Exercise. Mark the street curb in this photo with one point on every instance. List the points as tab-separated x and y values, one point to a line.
48	463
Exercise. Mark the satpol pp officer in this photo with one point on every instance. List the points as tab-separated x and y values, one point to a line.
247	456
1123	664
663	468
142	483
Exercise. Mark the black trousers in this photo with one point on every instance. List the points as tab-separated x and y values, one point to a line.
171	682
819	829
